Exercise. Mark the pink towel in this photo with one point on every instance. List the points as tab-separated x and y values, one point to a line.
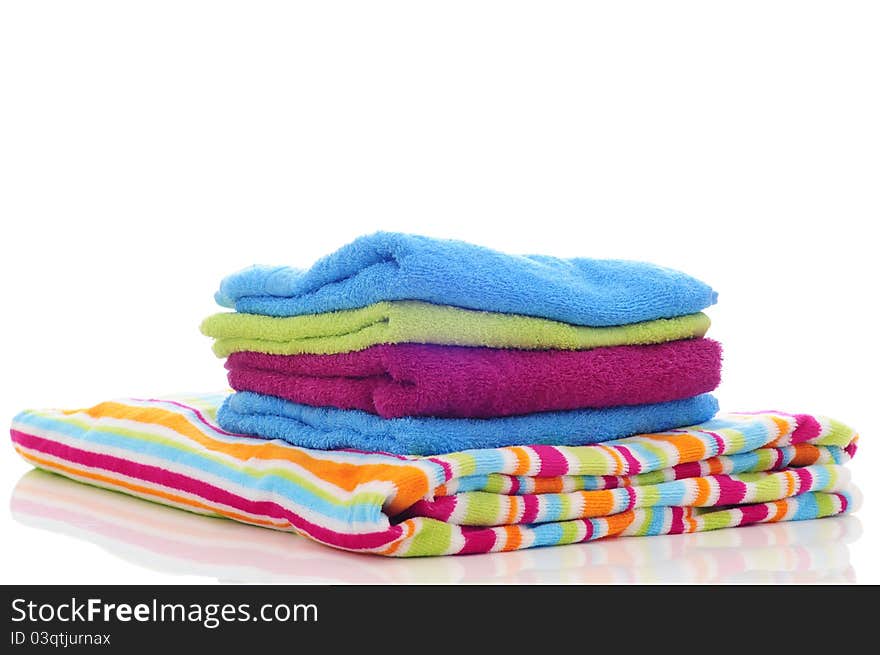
451	381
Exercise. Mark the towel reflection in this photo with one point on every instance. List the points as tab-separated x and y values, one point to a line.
175	541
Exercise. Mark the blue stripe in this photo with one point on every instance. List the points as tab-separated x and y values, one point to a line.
655	521
547	534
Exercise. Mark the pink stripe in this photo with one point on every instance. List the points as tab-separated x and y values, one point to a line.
440	508
447	467
633	465
807	428
731	491
676	526
720	444
477	540
688	470
212	494
611	481
781	460
589	529
753	513
631	499
530	511
805	480
553	462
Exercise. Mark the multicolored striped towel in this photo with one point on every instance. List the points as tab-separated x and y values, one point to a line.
734	470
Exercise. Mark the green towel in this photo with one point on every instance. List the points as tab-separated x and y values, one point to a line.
419	322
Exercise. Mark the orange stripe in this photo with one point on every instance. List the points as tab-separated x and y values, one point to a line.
703	491
411	482
715	466
617	523
523	461
513	509
689	447
514	537
784	426
790	483
597	503
620	465
780	506
804	455
43	463
548	485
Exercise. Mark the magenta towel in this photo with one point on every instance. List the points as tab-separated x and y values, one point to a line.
398	380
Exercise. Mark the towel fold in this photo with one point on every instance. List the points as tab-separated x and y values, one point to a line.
734	470
451	381
329	428
391	266
419	322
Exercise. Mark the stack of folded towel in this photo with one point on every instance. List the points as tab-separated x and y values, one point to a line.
415	346
407	396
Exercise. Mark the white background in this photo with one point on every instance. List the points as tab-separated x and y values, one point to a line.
149	148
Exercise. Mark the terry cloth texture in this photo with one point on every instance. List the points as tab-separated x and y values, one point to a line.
163	538
734	470
418	322
390	266
451	381
328	428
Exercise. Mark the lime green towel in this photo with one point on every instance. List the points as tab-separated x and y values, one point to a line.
419	322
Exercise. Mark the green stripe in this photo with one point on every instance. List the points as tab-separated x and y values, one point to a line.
432	537
838	435
717	519
481	508
826	505
590	461
569	532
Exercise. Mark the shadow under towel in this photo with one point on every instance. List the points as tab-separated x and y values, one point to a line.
330	428
392	266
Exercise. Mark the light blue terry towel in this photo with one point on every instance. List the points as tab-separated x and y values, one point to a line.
391	266
326	428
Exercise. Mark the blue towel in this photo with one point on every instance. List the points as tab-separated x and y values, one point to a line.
390	266
330	428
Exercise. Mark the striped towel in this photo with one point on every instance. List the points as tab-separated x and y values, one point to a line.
733	470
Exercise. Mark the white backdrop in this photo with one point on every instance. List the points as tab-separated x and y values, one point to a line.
147	149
